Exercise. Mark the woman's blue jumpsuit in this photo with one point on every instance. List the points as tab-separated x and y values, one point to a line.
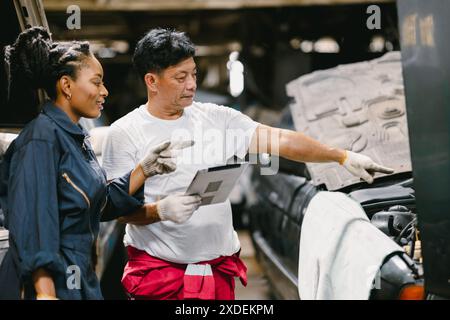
54	195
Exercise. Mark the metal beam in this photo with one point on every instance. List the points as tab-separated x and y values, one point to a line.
169	5
30	13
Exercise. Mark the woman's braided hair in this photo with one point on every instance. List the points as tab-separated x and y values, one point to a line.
34	60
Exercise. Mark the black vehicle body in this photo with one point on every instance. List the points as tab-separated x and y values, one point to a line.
366	113
426	68
278	210
417	194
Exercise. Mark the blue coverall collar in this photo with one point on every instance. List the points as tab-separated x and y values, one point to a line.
63	120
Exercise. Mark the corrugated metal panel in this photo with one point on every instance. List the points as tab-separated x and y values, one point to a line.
358	107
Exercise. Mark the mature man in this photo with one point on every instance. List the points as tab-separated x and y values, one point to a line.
178	250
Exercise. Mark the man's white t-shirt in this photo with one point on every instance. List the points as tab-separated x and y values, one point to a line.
219	134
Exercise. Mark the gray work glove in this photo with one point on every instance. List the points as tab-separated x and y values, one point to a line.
362	166
160	159
177	208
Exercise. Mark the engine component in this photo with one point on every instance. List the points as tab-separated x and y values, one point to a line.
393	221
400	224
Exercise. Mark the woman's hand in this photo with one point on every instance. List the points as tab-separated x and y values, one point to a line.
42	296
44	285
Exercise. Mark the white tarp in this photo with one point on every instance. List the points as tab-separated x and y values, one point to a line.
340	250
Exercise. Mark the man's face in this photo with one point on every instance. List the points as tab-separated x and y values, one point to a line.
176	85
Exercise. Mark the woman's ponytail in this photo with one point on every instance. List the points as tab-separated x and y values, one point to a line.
35	62
27	60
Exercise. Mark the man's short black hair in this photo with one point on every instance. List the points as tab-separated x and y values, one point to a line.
160	49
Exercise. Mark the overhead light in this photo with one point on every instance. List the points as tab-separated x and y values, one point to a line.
257	51
216	50
120	46
109	49
295	43
326	45
234	56
377	44
389	46
212	77
236	74
95	46
306	46
106	53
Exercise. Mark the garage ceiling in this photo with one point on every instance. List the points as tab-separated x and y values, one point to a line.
158	5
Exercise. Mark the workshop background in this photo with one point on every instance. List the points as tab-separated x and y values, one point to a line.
260	57
275	42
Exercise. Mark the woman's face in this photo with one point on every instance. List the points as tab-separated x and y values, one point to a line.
88	90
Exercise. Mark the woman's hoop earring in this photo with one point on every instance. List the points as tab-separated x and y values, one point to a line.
69	96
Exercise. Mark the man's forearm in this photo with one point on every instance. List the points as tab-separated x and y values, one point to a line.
147	214
299	147
293	145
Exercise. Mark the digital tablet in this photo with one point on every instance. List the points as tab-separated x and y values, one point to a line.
214	184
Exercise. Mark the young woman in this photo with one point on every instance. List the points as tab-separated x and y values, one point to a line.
52	189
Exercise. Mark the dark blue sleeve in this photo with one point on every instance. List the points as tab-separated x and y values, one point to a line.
33	215
119	202
4	176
